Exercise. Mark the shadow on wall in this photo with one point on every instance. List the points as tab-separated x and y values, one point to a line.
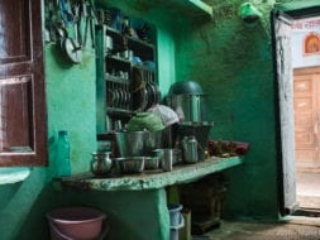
35	224
8	192
16	201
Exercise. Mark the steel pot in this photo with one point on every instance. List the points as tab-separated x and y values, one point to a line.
131	143
138	143
201	133
101	163
190	149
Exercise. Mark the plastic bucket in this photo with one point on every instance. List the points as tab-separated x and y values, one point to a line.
175	214
77	223
174	230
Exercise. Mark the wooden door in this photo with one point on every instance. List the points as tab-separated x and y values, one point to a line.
307	119
23	125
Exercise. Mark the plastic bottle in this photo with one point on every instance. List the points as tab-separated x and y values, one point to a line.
63	166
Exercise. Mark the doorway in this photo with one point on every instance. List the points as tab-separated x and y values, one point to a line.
305	42
298	80
307	136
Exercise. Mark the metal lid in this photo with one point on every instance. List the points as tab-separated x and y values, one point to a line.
186	87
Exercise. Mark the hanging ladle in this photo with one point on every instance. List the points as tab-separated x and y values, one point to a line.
73	47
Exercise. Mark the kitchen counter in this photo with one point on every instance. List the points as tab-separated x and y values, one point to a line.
151	179
137	203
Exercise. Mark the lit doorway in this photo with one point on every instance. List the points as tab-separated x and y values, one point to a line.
307	132
305	43
299	113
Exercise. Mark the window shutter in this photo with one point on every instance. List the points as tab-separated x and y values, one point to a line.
23	124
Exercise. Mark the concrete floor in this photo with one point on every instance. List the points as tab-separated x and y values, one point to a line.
308	190
264	231
291	228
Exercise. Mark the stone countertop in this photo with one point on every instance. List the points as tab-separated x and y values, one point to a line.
151	179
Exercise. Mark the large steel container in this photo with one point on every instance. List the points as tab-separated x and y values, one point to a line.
189	107
187	99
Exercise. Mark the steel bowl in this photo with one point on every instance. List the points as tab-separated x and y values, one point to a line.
151	163
129	164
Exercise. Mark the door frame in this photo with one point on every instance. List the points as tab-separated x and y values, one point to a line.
285	143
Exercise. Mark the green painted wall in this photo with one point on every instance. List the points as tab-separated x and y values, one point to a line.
71	106
233	63
70	93
232	60
71	103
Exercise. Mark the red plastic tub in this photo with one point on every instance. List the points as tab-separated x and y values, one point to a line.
76	223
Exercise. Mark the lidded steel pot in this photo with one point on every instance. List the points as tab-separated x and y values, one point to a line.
187	99
101	164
